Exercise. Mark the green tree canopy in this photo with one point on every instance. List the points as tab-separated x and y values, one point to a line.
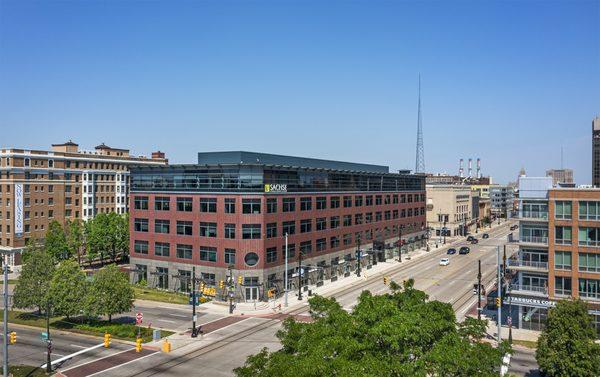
68	289
98	237
55	242
396	334
566	347
33	285
75	238
110	293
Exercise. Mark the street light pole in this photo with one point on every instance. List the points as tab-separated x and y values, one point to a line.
499	290
358	252
49	341
444	229
399	243
194	334
479	290
300	275
286	272
5	345
509	301
231	288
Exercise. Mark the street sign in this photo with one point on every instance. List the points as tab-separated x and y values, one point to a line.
139	317
192	297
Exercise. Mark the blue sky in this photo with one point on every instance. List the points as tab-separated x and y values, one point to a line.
509	82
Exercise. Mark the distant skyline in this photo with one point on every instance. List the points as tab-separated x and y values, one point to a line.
508	82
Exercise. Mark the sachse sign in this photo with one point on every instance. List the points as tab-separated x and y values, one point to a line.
275	188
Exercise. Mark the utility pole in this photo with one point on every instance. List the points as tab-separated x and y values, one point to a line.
300	275
49	341
286	272
399	243
231	287
194	333
509	319
358	252
499	290
479	290
444	229
5	270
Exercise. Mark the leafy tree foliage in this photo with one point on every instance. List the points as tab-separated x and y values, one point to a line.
55	242
566	347
107	235
75	238
33	285
68	289
110	293
396	334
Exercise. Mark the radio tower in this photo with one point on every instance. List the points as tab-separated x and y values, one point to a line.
420	160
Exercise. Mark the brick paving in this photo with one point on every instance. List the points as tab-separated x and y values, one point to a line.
106	363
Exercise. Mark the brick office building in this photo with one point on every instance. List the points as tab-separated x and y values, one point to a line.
62	184
234	208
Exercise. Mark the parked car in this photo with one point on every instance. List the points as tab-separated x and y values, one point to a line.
444	262
451	251
485	235
474	241
514	227
464	250
470	238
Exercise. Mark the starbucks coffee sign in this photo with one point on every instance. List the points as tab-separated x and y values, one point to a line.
275	188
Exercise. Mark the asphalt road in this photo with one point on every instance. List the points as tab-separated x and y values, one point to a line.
452	283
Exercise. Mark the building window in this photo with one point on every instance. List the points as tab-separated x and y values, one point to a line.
358	219
589	262
161	203
589	210
140	247
334	242
289	204
163	277
334	202
321	244
562	286
229	231
306	204
347	201
140	225
184	204
272	205
358	201
251	259
162	249
184	251
288	227
369	217
184	228
347	239
162	226
229	256
251	206
562	210
208	229
139	202
377	200
251	231
369	200
347	220
334	222
378	215
589	288
208	278
562	260
271	254
291	250
208	205
271	230
306	247
562	235
321	202
395	199
589	237
208	254
305	226
229	205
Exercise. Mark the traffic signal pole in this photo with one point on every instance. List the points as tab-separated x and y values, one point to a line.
194	334
5	348
479	290
499	290
285	290
49	345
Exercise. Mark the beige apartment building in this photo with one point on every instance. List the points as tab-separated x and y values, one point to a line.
62	184
449	207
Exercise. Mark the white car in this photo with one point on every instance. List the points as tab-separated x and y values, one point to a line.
444	262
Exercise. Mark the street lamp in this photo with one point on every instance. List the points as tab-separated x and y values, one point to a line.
358	255
300	275
400	243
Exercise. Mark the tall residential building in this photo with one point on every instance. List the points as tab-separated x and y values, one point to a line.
62	184
560	176
559	251
503	200
596	152
232	210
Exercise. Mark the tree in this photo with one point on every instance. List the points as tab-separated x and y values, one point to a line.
68	289
33	285
75	238
566	346
117	234
98	237
396	334
110	293
55	242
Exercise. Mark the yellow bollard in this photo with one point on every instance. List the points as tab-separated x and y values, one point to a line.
166	347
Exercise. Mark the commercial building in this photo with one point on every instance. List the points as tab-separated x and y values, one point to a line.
559	251
503	200
232	210
449	208
560	176
62	184
596	152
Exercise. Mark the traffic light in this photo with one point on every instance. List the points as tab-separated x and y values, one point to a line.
13	337
240	279
202	286
221	284
138	345
106	340
385	280
498	302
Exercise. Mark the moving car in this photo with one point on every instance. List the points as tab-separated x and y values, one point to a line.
464	250
485	235
451	251
470	238
474	241
444	262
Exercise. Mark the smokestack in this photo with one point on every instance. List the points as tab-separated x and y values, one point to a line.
478	168
461	171
470	167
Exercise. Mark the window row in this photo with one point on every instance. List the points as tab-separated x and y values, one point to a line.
587	288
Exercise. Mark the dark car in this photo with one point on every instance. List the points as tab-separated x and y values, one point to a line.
451	251
470	238
474	241
485	235
464	250
514	227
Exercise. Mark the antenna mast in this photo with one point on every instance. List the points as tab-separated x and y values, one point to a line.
420	158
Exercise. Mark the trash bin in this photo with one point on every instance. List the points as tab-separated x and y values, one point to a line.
156	335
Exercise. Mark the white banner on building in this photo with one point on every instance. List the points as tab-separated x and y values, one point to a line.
19	208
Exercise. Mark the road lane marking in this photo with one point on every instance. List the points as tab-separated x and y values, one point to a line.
166	320
78	346
120	365
179	315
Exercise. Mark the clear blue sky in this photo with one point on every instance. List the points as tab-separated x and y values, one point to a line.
509	82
